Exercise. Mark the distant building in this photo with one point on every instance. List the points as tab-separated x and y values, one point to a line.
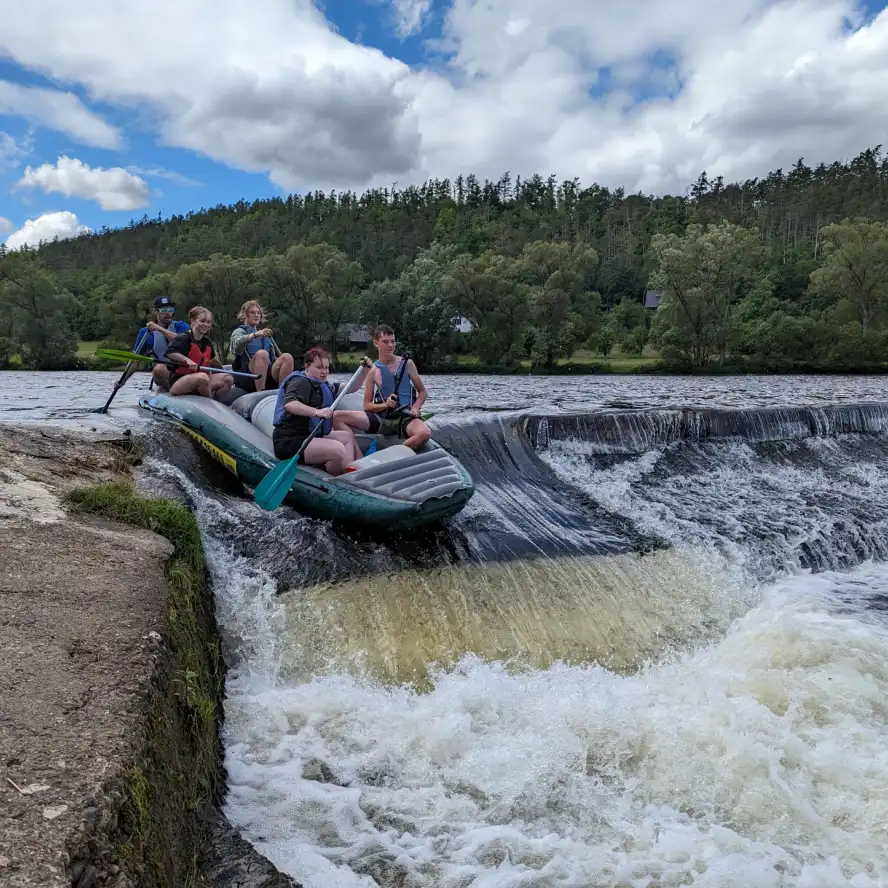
355	335
652	298
462	325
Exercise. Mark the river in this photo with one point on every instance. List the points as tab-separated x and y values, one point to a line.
652	651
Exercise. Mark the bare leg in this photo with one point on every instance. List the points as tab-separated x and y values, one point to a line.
347	437
259	364
221	383
351	419
327	453
282	367
192	384
419	434
161	376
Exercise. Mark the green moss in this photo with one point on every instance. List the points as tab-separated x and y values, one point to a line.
159	839
120	501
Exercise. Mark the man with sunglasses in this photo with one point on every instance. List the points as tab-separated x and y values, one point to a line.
157	334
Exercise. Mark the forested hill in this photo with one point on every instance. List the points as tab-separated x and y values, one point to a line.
385	229
538	265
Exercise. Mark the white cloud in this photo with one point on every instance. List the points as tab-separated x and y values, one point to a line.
46	228
11	153
61	111
112	189
5	225
410	15
527	86
160	173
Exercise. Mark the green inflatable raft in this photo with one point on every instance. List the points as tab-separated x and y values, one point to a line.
394	487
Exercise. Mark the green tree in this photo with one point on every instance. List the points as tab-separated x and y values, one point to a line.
563	308
855	269
490	292
417	305
37	308
702	275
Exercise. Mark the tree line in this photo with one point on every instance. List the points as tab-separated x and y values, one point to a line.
788	272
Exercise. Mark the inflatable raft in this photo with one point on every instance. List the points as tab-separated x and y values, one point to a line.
394	487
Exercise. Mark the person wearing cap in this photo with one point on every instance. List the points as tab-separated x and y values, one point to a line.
157	334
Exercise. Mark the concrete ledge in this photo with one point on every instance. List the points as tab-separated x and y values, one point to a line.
111	682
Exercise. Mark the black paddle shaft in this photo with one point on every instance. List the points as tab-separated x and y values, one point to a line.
122	381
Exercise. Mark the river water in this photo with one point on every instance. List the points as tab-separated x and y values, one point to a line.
652	651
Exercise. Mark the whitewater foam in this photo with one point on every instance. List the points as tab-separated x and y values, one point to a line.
758	758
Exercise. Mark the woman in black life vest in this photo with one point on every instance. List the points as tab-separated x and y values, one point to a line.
192	350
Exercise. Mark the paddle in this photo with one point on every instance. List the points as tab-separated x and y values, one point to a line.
113	354
276	484
122	381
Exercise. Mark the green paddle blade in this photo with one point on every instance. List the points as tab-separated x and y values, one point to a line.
117	354
274	487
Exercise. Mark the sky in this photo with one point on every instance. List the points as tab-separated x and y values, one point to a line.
109	111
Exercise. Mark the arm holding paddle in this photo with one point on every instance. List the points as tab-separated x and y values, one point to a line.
166	332
421	392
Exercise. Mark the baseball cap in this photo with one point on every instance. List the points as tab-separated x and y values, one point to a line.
164	302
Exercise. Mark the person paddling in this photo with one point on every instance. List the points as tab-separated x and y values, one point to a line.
304	401
381	398
253	350
190	351
154	338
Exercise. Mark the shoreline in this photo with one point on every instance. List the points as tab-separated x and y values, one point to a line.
565	370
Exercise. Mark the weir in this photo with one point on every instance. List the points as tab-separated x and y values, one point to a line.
635	432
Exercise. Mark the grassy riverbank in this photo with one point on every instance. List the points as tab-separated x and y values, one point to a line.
179	776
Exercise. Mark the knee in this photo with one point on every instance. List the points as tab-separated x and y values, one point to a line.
424	433
342	421
261	355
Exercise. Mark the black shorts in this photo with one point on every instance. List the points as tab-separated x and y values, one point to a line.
286	446
393	425
242	365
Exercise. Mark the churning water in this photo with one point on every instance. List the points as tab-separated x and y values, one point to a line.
652	651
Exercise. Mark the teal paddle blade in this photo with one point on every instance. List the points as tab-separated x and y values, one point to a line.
371	449
275	486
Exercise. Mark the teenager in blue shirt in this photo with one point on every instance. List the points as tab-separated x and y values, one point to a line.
156	335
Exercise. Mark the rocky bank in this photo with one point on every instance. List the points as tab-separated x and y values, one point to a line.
111	680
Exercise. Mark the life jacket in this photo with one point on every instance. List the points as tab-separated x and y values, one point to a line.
159	344
387	386
252	347
328	396
200	356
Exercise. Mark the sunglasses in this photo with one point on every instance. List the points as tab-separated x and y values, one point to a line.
167	311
